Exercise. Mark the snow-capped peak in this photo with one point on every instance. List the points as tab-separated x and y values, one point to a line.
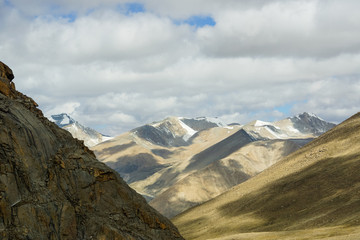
304	125
308	115
90	136
62	119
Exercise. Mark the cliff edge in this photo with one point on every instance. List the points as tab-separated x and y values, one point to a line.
53	187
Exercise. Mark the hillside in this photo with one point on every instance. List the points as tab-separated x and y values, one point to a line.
53	187
161	160
221	175
311	194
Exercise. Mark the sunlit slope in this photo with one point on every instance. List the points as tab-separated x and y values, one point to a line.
314	188
221	175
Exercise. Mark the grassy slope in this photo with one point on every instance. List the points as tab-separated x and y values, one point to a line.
315	187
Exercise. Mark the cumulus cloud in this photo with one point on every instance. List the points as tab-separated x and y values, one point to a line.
284	28
114	67
68	107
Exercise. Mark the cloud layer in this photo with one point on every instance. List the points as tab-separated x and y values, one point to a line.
114	65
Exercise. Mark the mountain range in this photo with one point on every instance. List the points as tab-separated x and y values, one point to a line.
313	193
178	163
90	136
296	178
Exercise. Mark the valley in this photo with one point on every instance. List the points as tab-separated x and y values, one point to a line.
296	178
176	166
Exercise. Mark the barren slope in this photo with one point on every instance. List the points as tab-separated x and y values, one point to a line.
221	175
311	194
178	166
150	168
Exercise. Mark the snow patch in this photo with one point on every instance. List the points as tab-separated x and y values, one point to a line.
65	121
259	123
106	138
189	131
292	129
215	120
315	116
276	135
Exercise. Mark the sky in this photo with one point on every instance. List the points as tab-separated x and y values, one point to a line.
114	65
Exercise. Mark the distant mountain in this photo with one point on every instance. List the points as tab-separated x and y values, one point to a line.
163	159
62	119
300	126
310	123
90	136
312	193
175	131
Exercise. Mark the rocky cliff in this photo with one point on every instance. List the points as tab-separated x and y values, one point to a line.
53	187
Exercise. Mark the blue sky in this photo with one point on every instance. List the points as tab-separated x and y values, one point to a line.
197	21
117	64
134	8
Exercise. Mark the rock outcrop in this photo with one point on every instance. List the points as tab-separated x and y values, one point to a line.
6	76
53	187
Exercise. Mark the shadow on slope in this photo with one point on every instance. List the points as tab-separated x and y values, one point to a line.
323	194
143	164
220	150
317	186
114	149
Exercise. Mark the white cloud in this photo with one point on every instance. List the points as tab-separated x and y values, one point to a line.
121	118
119	70
283	28
68	107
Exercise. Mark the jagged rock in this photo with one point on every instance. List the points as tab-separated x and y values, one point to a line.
6	76
52	186
6	72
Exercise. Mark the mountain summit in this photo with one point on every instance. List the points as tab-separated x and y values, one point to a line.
62	119
52	186
305	125
311	123
175	131
90	136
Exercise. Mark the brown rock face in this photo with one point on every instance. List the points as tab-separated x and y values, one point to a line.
6	75
52	186
6	72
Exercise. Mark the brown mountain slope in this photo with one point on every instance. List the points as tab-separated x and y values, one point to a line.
311	194
52	186
137	159
176	178
221	175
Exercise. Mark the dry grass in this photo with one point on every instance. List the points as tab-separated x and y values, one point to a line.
314	193
329	233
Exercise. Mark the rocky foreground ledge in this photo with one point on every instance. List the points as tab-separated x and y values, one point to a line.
52	186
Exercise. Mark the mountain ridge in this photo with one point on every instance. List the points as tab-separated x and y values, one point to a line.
312	189
90	136
161	156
